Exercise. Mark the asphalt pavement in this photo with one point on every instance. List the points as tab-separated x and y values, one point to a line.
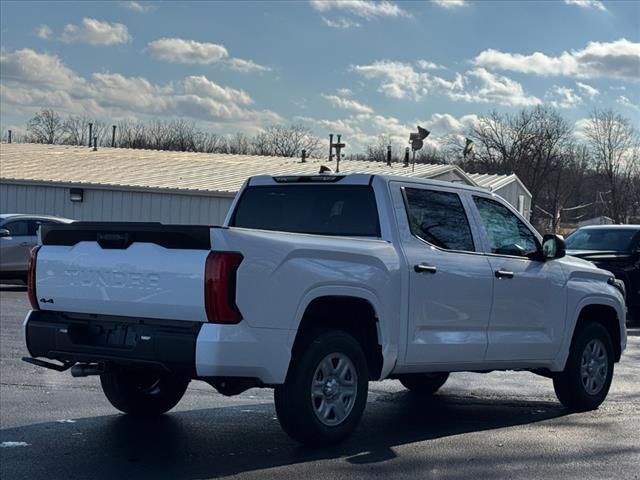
479	426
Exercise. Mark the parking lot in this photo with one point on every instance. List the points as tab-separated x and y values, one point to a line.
497	425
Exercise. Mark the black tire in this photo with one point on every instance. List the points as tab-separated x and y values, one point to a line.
142	393
573	384
296	404
423	383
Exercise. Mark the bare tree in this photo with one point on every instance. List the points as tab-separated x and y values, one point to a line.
239	144
46	126
378	151
261	144
76	129
290	141
615	147
159	135
132	134
530	144
210	143
562	196
183	135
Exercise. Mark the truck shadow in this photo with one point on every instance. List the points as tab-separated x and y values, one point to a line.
231	440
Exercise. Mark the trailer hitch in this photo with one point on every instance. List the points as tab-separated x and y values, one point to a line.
52	366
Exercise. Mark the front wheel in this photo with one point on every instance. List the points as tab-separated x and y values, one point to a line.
423	383
585	381
142	393
324	395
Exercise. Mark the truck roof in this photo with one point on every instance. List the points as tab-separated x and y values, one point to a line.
354	179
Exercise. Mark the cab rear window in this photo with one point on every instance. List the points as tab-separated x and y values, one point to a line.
348	210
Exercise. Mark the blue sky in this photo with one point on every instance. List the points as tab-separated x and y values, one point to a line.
353	67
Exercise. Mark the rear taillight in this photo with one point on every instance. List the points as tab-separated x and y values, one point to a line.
220	287
31	278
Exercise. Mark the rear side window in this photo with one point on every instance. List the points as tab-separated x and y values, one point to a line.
438	218
316	209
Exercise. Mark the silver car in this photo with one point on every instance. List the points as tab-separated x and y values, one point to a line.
18	234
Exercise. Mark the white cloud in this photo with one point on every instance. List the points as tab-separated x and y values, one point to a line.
400	80
246	66
445	123
426	65
95	32
179	50
625	102
345	92
43	32
588	90
31	80
360	8
31	67
594	4
619	59
340	23
563	97
495	89
348	104
203	87
138	7
450	4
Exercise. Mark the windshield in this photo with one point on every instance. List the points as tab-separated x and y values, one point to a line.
618	240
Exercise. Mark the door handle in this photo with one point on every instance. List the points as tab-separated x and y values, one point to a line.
424	268
25	244
503	274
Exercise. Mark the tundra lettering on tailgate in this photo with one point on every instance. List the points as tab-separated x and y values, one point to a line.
112	279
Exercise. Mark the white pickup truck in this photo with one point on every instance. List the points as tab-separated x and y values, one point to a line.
316	285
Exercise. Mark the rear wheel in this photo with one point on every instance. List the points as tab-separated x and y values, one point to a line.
585	381
143	393
325	393
423	383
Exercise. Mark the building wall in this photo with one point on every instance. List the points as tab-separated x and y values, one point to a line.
511	193
114	205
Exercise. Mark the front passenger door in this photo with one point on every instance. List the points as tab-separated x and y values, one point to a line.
529	299
15	247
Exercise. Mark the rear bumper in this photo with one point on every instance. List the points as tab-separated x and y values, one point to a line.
201	350
168	345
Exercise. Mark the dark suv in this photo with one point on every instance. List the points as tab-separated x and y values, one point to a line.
615	248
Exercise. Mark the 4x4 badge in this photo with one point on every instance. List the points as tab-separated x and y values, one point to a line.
46	300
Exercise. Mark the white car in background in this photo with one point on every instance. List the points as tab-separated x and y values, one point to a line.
18	235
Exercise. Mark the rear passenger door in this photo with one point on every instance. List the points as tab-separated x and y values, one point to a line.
449	282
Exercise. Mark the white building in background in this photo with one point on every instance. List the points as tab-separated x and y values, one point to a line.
117	184
509	187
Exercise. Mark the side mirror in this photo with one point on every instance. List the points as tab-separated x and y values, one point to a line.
4	232
553	246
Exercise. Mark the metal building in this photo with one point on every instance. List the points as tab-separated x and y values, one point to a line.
114	184
508	187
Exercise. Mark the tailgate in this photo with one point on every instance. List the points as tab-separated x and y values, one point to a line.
123	269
